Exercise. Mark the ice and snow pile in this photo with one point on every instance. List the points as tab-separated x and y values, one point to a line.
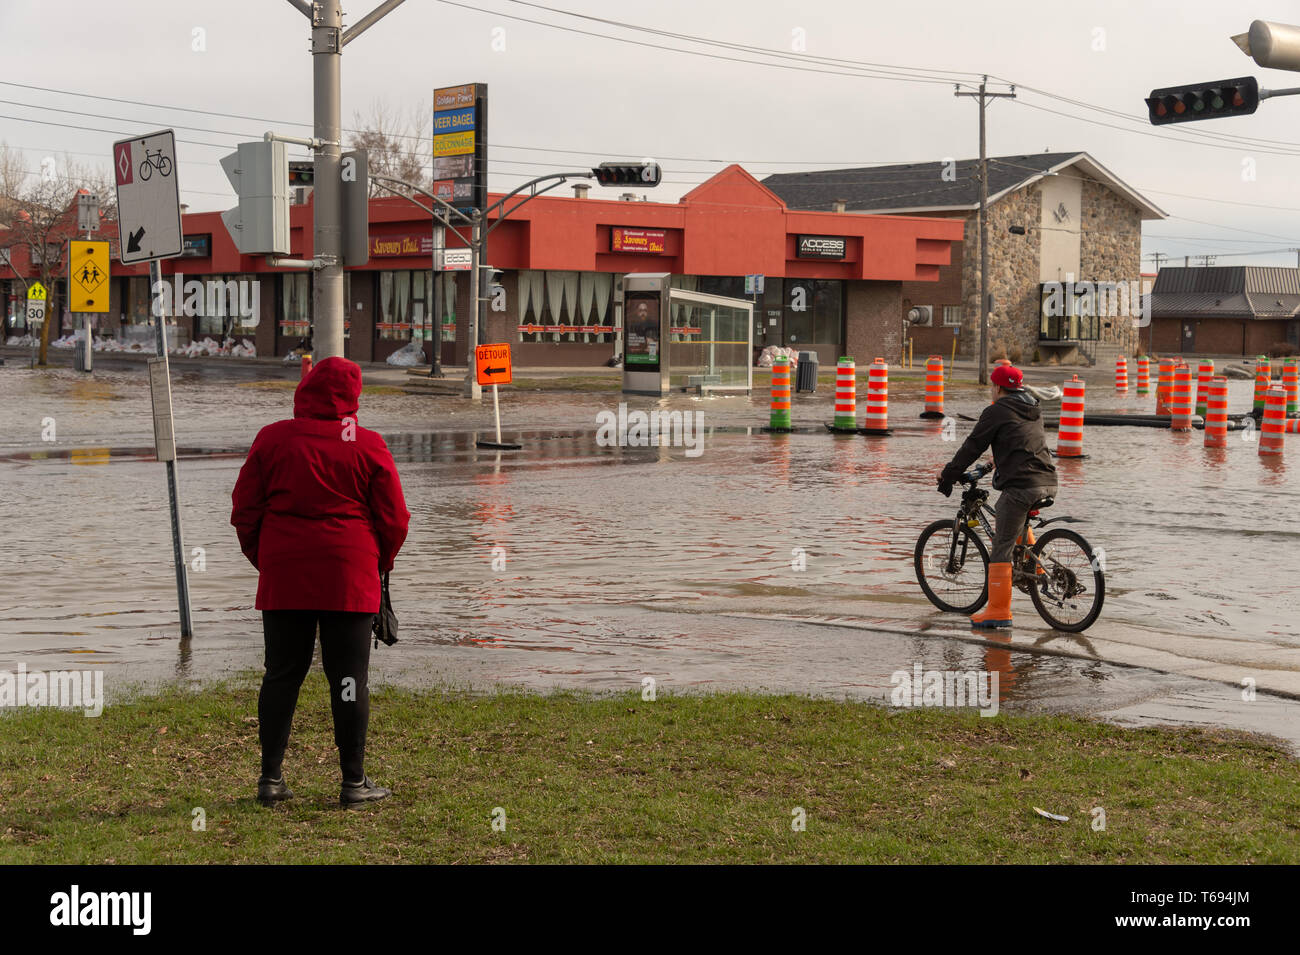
412	353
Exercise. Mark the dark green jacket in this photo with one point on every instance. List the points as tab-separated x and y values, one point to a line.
1013	426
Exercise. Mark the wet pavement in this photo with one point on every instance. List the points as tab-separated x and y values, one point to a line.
779	562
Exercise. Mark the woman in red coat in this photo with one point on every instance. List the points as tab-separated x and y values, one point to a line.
320	513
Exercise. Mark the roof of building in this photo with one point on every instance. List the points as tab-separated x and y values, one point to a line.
916	188
1234	291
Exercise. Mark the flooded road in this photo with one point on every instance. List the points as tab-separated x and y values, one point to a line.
780	562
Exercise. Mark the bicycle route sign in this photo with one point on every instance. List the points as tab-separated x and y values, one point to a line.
148	198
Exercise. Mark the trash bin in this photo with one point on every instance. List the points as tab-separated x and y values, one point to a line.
807	374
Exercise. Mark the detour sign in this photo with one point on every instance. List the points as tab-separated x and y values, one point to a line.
492	364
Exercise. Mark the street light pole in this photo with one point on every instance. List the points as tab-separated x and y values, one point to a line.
327	40
984	95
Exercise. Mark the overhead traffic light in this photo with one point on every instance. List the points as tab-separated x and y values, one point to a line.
302	173
1214	100
627	174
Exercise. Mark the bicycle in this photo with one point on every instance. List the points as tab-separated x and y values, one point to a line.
1059	572
154	160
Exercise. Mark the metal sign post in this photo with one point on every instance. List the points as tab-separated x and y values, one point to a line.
35	312
164	430
492	367
149	228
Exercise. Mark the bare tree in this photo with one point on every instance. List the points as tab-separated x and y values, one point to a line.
42	218
396	148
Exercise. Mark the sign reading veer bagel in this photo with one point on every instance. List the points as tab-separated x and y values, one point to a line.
653	241
820	246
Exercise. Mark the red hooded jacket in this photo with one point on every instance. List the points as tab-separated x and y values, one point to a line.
318	505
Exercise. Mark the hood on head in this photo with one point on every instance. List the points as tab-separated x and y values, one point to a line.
1022	403
330	391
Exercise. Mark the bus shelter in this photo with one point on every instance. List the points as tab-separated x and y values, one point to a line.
675	340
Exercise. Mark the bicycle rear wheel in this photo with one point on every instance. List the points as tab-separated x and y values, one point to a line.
955	580
1070	591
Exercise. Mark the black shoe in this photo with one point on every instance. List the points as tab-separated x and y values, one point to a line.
271	791
356	794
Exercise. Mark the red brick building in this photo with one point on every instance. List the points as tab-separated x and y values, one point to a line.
832	283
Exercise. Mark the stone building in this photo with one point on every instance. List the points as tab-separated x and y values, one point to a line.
1062	228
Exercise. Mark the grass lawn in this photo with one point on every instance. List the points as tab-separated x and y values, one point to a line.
618	779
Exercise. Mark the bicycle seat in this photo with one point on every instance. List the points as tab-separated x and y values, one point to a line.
1044	502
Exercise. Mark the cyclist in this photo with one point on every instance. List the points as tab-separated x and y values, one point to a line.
1023	472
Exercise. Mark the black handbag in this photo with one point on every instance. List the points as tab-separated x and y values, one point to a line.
384	626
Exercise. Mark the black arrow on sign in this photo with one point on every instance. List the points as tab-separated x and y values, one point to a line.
494	371
133	240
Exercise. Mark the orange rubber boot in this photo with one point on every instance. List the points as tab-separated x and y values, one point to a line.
997	613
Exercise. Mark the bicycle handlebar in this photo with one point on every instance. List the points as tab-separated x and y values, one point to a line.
975	473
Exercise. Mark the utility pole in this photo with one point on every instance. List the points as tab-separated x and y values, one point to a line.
327	41
984	96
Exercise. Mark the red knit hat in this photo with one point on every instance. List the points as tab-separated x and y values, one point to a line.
1008	377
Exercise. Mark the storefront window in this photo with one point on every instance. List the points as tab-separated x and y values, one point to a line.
566	306
405	301
295	305
814	311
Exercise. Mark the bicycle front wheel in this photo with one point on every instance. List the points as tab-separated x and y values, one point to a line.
1070	591
954	577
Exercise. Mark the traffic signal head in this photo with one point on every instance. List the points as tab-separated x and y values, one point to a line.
259	172
302	173
627	174
1183	104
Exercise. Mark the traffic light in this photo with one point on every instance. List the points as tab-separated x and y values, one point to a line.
302	173
627	174
1183	104
259	171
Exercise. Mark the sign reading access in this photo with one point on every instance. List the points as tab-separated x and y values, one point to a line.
492	364
148	199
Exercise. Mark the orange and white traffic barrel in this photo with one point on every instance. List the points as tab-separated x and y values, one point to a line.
306	366
1263	378
876	420
1180	411
1216	413
1164	385
1273	426
1204	372
1121	373
1291	385
1069	433
1144	375
933	387
1292	426
846	396
780	416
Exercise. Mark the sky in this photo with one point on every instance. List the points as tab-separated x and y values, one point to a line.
830	84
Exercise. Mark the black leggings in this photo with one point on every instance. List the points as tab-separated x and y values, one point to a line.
290	637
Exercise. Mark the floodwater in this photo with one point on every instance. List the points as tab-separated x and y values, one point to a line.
779	562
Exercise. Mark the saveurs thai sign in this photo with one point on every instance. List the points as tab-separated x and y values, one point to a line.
382	245
651	241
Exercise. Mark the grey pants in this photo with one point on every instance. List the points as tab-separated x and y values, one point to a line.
1009	517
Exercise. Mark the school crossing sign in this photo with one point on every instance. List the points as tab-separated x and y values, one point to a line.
36	296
